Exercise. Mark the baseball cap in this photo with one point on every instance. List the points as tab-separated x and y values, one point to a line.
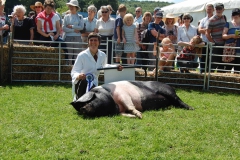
159	14
218	5
235	11
157	9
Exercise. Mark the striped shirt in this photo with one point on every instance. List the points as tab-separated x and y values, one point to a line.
216	25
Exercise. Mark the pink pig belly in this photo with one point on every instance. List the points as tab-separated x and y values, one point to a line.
125	94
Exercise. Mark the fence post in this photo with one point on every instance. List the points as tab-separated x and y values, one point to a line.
205	69
113	44
1	67
157	57
209	65
59	60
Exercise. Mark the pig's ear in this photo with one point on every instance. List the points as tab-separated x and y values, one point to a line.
86	97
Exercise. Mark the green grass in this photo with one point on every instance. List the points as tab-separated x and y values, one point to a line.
37	122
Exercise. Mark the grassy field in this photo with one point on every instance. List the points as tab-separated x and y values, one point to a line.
37	122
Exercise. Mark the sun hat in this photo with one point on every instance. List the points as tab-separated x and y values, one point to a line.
170	15
36	4
159	14
74	3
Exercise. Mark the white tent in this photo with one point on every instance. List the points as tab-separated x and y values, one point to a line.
196	8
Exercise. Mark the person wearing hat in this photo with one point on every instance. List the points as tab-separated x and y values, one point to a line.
230	36
153	28
72	25
87	62
214	31
138	18
171	29
157	9
37	8
202	30
185	33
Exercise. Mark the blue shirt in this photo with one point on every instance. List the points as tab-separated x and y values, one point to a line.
157	27
231	30
118	23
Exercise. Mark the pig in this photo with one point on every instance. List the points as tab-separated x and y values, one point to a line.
128	98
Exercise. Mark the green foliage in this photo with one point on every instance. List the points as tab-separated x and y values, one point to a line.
61	4
37	122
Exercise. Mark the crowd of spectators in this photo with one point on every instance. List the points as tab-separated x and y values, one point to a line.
127	30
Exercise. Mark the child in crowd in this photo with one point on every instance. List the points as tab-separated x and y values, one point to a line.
118	31
187	55
166	56
130	38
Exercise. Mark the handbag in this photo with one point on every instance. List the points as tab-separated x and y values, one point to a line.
229	51
84	29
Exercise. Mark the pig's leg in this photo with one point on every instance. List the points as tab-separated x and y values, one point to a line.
126	102
128	115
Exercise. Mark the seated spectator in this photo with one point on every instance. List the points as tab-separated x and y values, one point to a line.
166	55
23	26
186	58
231	36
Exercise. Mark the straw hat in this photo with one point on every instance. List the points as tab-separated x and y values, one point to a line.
74	3
170	15
36	4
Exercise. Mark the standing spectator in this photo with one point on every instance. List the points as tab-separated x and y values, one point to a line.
230	36
105	27
37	7
147	17
130	38
214	34
50	32
110	10
90	23
171	29
138	18
153	28
202	30
179	20
72	25
4	25
23	26
118	31
157	9
31	14
186	32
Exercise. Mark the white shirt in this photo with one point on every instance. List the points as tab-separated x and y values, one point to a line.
54	19
138	20
105	28
85	63
203	24
183	32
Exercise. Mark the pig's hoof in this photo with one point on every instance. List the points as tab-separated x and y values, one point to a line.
138	114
